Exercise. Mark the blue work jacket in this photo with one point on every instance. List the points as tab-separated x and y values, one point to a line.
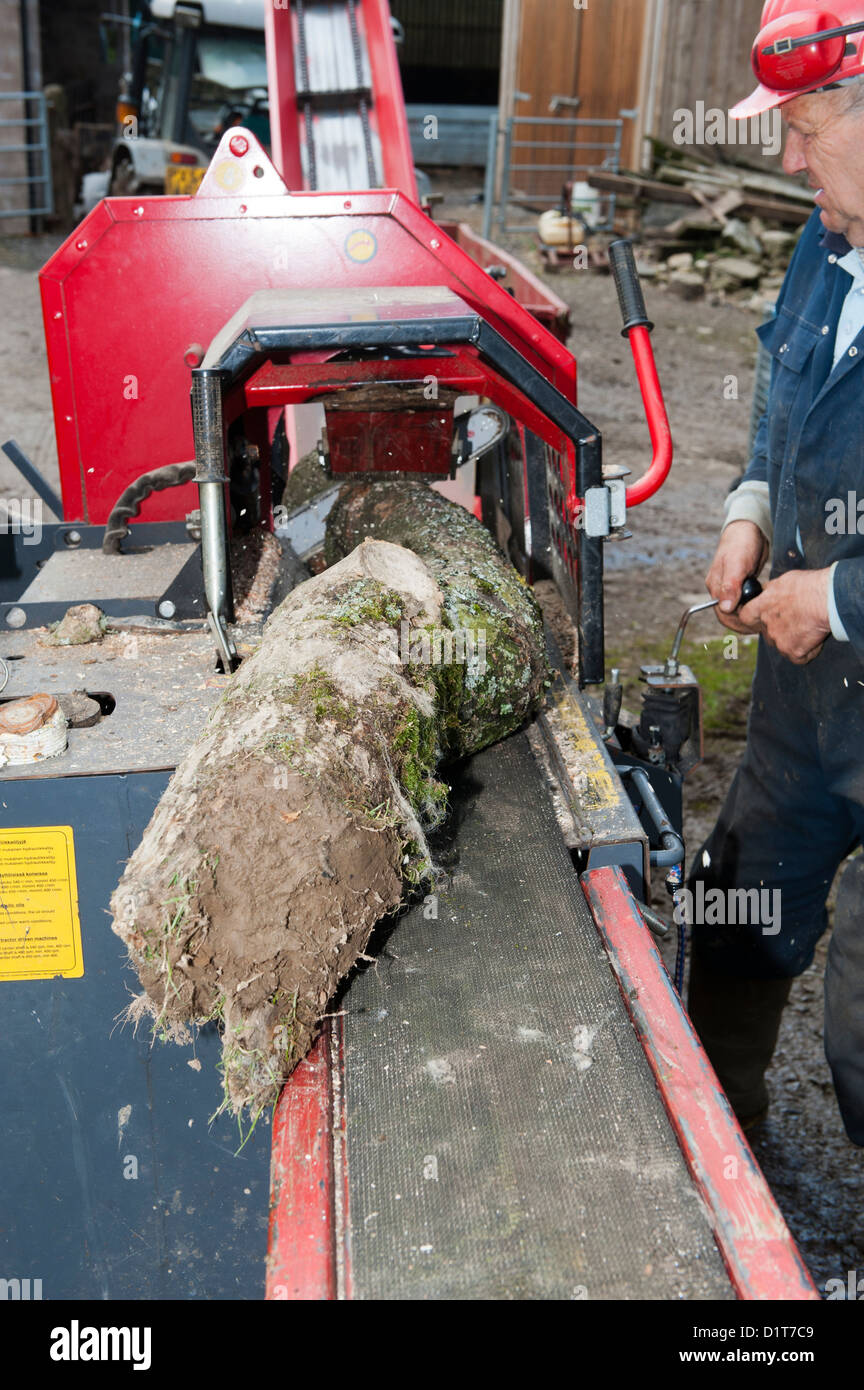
809	447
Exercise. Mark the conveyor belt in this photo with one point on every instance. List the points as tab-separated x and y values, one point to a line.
505	1137
334	94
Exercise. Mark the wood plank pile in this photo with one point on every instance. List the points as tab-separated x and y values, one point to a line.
709	228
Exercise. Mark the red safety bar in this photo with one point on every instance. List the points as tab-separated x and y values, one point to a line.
658	421
754	1240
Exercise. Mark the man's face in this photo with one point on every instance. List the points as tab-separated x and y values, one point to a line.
826	139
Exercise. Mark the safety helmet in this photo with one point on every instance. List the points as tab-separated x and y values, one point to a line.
800	50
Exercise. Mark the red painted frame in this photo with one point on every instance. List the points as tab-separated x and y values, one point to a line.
756	1245
309	1250
301	1260
282	93
389	103
119	375
294	383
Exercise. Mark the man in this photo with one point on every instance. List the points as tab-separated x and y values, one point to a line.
796	807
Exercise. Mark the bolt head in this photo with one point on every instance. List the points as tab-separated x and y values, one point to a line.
167	609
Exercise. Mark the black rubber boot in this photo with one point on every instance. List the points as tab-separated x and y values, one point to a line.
737	1022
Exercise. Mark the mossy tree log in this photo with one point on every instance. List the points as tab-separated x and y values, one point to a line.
294	823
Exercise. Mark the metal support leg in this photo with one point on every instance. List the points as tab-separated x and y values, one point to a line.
590	625
211	477
489	183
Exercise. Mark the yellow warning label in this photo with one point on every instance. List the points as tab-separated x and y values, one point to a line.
361	245
40	931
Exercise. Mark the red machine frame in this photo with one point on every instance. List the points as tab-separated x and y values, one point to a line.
159	250
387	115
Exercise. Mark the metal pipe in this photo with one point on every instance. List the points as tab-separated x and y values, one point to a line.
673	846
32	475
211	477
214	546
489	181
658	420
672	658
27	84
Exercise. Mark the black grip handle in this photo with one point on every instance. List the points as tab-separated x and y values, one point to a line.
629	288
750	589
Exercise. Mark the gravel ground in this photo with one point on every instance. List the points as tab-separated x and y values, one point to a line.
25	392
815	1173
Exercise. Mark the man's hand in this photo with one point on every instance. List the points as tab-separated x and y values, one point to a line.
792	613
742	552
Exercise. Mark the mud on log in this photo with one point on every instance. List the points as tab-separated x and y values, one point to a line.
295	822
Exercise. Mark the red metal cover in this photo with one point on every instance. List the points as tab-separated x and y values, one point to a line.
754	1240
144	280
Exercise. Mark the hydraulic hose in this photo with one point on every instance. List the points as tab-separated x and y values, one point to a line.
128	504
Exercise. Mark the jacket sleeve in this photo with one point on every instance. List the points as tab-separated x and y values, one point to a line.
849	600
749	500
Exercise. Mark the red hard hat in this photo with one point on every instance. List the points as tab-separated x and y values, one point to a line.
790	58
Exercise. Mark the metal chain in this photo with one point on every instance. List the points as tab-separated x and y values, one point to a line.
363	107
307	106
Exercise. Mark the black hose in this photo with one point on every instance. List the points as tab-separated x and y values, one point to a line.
128	504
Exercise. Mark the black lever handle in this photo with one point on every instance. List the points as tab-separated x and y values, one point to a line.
750	589
628	285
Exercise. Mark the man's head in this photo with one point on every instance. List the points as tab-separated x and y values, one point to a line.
810	64
825	139
799	50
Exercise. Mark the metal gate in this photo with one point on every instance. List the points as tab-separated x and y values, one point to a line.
576	146
25	165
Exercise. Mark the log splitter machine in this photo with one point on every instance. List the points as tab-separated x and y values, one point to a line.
471	1121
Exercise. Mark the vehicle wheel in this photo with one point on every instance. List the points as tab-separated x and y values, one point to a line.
125	182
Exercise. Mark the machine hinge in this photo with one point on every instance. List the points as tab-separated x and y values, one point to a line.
605	510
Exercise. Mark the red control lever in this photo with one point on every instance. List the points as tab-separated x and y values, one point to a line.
637	327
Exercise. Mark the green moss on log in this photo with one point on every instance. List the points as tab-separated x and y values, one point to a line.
485	601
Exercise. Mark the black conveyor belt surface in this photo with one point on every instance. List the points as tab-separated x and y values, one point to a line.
506	1139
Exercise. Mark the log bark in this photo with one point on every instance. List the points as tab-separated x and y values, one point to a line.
295	822
482	594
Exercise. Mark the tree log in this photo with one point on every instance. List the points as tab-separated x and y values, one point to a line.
482	594
295	822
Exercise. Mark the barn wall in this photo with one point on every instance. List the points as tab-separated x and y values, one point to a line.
593	53
706	58
451	52
655	56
